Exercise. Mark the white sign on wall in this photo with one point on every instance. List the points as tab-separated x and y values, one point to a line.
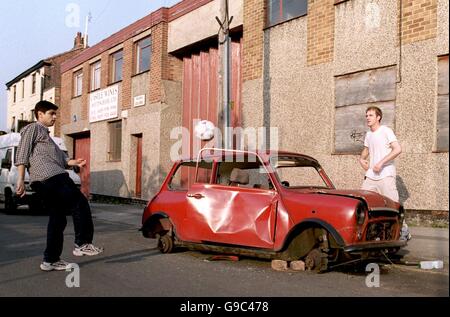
103	104
139	101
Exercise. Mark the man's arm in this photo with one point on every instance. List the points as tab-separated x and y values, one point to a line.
363	158
78	162
23	154
20	186
396	151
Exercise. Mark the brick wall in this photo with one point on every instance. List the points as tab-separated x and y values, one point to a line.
55	69
66	96
159	37
320	31
254	22
419	20
128	64
105	77
175	69
86	90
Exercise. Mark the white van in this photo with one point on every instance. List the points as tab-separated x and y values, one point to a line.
9	174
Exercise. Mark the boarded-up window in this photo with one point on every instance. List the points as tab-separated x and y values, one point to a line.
354	94
442	109
115	141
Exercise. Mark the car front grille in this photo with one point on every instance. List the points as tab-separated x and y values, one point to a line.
381	231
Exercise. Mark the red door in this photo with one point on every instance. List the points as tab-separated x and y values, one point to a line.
200	89
139	166
233	216
82	147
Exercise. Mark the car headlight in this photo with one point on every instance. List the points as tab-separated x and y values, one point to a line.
360	215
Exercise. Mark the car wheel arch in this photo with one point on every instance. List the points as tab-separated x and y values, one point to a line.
159	223
298	241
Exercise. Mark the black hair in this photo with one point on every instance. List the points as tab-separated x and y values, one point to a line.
44	106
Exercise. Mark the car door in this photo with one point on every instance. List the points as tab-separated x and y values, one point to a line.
6	165
230	213
3	171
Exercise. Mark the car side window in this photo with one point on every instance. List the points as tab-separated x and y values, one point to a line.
301	176
7	160
184	176
246	173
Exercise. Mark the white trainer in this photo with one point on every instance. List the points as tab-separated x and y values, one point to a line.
87	249
56	266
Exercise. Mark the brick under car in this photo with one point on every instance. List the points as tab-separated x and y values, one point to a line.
276	205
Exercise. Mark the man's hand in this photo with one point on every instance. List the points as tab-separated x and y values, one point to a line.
78	162
378	167
364	164
363	159
20	188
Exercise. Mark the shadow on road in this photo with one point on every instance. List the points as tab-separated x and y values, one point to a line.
128	257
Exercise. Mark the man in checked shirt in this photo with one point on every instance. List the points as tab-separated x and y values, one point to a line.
47	168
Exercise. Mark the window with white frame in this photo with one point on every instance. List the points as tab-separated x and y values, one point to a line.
33	84
96	72
23	88
117	66
143	55
77	83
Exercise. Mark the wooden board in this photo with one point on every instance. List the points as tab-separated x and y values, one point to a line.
364	87
442	124
351	127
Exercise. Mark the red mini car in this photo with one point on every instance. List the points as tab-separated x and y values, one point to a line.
276	205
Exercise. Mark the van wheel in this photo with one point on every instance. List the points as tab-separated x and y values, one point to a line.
165	243
10	202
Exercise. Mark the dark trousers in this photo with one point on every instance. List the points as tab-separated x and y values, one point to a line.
62	197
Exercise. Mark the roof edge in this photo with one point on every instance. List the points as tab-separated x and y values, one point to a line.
40	64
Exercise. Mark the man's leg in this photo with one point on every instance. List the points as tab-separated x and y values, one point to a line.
370	184
56	224
82	219
389	189
79	207
55	235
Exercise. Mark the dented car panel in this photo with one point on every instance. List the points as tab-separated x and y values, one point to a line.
220	214
255	205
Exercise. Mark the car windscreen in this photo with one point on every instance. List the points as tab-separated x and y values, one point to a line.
298	172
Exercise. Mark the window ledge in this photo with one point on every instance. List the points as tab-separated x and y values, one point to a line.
137	74
114	83
285	21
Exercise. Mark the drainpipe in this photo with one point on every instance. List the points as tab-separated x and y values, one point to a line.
224	46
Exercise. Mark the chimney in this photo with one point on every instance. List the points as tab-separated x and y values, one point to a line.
78	42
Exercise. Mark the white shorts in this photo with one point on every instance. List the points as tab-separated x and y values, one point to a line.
386	186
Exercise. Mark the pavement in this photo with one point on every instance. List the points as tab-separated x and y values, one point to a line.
427	244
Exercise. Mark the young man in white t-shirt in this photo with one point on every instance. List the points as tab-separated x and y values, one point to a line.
382	147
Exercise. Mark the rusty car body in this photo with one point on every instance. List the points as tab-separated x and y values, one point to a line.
276	205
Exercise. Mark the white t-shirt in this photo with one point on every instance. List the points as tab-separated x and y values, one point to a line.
378	143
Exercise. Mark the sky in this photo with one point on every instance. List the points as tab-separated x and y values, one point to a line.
32	30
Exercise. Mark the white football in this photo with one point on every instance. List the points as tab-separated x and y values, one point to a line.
204	130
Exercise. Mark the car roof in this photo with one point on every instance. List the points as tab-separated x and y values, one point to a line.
264	155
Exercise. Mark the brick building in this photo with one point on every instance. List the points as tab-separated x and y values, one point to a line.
39	82
309	68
